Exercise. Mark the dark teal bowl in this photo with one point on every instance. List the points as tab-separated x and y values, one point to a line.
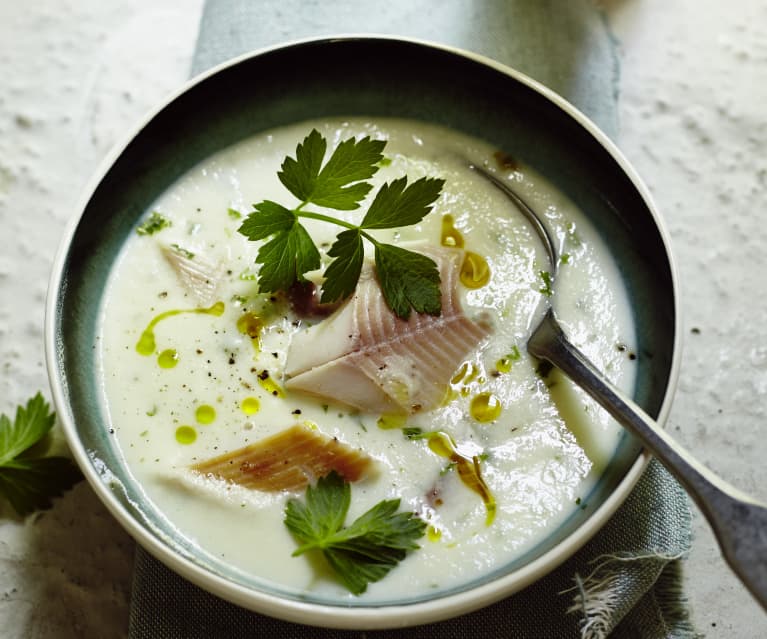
342	77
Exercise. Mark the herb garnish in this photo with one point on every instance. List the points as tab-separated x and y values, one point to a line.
408	280
154	223
363	552
180	250
546	288
29	480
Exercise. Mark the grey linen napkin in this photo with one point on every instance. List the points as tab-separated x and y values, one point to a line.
626	580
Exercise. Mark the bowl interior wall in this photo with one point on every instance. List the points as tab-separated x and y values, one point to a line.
366	77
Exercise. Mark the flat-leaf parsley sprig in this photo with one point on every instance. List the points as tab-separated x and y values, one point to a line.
408	280
29	480
363	552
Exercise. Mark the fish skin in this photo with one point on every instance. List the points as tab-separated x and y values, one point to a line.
288	461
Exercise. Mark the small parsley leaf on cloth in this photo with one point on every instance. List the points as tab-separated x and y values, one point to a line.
363	552
340	184
29	481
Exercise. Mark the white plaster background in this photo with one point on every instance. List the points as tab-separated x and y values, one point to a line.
75	74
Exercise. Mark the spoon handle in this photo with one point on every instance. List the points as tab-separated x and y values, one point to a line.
738	522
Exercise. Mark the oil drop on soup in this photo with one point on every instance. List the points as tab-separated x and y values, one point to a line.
197	363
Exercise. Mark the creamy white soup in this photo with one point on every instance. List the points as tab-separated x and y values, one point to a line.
195	363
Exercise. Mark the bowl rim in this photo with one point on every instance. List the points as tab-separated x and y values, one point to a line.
381	616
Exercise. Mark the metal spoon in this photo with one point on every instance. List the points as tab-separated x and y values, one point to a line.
738	521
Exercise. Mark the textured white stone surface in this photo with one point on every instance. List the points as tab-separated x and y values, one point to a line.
75	74
694	83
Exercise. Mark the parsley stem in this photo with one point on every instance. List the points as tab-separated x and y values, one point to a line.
312	545
324	218
333	220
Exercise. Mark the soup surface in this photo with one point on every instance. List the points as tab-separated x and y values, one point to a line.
193	361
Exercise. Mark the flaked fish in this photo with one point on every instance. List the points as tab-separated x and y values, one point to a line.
366	357
198	275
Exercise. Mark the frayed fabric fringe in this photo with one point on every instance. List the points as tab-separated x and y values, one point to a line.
653	579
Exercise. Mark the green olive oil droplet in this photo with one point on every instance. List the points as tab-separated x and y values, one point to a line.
251	325
466	374
442	444
186	435
468	469
461	373
485	407
146	344
205	414
168	358
503	365
475	272
450	235
390	421
250	405
269	385
433	533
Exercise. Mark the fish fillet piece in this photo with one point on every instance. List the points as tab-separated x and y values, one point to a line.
196	273
288	460
366	357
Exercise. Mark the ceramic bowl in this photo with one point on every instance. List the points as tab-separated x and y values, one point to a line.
371	77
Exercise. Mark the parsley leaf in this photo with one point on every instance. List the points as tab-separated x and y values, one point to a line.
338	185
299	175
546	288
27	480
286	258
363	552
343	273
268	219
324	512
408	280
397	204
